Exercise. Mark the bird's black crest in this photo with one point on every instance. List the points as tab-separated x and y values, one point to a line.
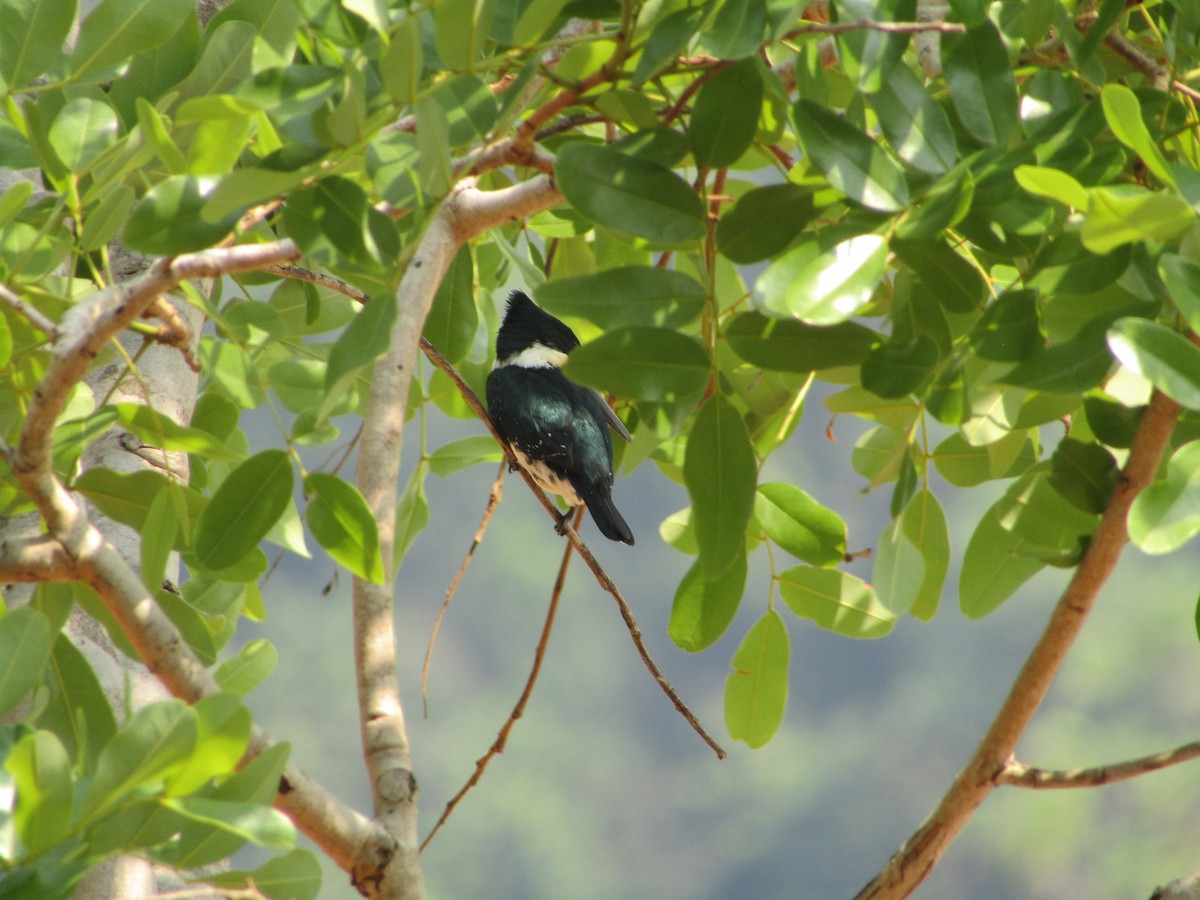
525	324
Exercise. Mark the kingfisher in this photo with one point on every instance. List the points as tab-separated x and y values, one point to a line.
558	429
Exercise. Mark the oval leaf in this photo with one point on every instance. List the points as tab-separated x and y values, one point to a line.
341	521
719	470
655	364
836	601
1166	515
849	159
800	525
631	195
756	690
1164	357
239	515
24	650
725	115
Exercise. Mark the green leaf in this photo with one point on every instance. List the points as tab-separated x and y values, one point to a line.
78	710
32	38
835	601
365	338
1162	356
763	222
223	733
800	525
625	295
784	345
106	219
720	474
914	123
851	161
41	771
725	115
1053	185
1166	515
294	876
25	640
412	515
667	40
239	515
922	527
453	318
897	369
82	130
341	521
463	453
1009	329
168	219
403	61
954	282
243	673
756	690
158	538
154	743
1084	474
117	29
628	194
202	844
1034	510
1123	113
1070	367
1182	278
737	30
827	288
250	821
461	30
1125	214
996	563
982	87
335	218
159	431
704	606
654	364
233	371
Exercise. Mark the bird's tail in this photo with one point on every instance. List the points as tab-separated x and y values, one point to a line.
606	517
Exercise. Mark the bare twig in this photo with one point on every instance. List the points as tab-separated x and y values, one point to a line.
30	313
519	709
1020	775
868	25
914	861
493	501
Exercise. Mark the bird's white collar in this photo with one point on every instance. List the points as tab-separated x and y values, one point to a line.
538	356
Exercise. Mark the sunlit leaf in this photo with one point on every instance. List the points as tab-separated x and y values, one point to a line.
836	601
756	689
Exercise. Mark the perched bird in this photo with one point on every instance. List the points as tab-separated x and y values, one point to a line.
558	429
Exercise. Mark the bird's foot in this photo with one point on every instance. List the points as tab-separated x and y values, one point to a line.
560	527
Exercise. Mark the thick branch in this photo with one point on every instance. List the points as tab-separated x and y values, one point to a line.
1020	775
337	828
38	558
466	213
920	853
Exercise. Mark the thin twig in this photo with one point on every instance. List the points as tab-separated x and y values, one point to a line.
1020	775
31	314
518	710
868	25
493	502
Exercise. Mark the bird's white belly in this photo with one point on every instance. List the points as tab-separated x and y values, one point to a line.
547	479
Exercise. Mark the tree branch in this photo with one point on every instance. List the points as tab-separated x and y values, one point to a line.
465	213
341	832
916	858
1020	775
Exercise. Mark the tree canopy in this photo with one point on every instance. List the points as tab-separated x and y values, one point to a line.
972	225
